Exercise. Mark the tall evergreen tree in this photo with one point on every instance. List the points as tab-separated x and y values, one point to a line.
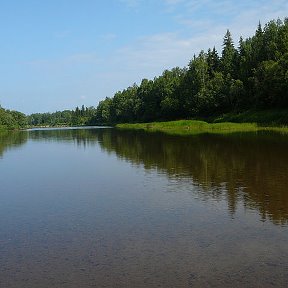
229	54
213	61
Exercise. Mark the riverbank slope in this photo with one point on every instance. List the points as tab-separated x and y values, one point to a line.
241	122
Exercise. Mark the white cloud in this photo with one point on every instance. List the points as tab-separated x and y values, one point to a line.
209	17
226	10
148	56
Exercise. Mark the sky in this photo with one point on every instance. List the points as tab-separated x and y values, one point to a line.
59	54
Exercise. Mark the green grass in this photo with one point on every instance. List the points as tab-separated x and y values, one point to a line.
253	120
196	127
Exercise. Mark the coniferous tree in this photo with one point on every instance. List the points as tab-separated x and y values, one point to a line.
213	61
229	54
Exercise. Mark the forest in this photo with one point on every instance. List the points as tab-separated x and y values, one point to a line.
250	75
253	75
12	119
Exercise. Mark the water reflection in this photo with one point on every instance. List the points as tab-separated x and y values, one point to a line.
80	136
11	139
244	169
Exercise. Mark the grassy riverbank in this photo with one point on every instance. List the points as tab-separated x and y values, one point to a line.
196	127
190	127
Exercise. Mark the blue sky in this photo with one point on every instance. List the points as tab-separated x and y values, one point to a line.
59	54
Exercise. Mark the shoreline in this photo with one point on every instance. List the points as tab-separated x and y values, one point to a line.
190	127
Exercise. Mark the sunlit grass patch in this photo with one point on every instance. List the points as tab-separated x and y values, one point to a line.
196	126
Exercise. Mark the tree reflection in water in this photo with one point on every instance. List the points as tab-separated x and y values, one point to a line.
248	168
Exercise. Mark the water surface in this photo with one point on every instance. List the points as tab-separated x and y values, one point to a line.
109	208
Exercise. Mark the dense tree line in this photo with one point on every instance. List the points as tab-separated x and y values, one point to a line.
77	117
10	119
251	75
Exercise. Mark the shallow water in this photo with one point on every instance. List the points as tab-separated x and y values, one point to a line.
109	208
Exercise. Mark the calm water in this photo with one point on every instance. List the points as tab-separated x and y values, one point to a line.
107	208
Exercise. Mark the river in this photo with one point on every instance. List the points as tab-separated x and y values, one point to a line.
100	207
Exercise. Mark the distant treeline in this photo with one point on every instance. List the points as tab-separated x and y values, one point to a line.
12	119
253	75
77	117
